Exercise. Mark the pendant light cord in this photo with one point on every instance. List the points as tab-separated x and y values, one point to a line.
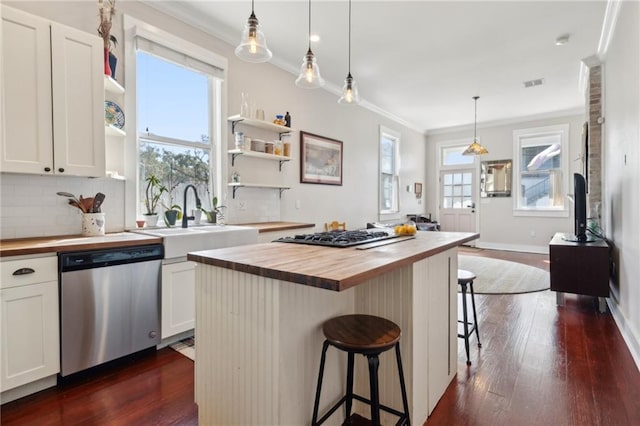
349	37
251	6
309	24
475	116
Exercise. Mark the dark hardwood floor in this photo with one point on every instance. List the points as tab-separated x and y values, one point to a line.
539	365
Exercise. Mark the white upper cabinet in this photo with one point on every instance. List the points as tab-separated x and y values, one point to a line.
53	98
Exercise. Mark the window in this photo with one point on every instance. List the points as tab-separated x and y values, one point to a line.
389	171
541	171
452	156
457	190
177	99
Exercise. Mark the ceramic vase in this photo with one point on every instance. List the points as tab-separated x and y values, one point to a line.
93	224
152	219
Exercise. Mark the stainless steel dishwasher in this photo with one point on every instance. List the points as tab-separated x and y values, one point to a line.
109	304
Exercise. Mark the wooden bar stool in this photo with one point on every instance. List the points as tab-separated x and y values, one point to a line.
465	278
370	336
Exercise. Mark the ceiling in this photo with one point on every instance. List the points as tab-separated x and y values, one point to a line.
423	61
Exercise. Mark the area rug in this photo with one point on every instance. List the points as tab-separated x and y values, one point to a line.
495	276
187	347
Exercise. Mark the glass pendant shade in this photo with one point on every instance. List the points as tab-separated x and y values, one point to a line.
253	45
349	91
309	77
475	148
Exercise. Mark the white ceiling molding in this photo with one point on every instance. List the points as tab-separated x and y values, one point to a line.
508	121
608	27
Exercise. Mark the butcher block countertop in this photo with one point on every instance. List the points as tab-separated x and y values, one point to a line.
330	268
27	246
277	226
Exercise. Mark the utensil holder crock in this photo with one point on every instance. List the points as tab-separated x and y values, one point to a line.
93	224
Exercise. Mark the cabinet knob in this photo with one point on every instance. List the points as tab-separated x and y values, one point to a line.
47	169
61	170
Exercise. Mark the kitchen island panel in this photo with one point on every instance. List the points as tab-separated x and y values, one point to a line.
258	344
260	340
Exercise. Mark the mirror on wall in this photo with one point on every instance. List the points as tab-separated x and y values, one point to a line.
495	178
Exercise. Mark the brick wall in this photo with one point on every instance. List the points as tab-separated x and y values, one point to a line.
594	98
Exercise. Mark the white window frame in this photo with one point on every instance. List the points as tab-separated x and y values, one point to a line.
521	139
394	212
134	28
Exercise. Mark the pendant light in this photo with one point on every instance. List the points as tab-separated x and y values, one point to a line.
309	77
253	45
475	148
350	89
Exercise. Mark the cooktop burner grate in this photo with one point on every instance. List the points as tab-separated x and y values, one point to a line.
337	238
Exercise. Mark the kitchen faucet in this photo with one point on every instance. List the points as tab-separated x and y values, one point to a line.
184	204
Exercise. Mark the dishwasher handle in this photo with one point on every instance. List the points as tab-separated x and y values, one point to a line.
75	261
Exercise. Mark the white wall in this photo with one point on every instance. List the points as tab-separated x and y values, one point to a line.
499	228
621	201
273	90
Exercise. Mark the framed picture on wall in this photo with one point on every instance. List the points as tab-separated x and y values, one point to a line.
320	160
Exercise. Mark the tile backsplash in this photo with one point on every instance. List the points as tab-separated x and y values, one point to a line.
29	206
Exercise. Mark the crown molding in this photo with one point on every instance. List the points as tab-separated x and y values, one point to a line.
507	121
608	27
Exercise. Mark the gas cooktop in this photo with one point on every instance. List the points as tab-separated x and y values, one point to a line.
337	238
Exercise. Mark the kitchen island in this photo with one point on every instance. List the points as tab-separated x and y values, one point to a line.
259	311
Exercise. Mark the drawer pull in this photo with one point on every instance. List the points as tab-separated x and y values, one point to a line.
24	271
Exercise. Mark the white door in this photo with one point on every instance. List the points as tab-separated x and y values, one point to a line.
457	200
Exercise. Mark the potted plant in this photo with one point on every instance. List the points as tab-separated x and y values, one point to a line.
153	193
212	215
171	214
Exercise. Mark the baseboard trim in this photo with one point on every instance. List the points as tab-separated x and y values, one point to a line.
513	247
627	333
28	389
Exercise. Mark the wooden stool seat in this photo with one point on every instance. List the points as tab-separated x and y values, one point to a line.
361	333
465	279
370	336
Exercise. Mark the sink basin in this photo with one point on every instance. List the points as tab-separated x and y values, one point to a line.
180	241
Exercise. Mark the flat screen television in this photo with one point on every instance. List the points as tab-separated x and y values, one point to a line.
579	211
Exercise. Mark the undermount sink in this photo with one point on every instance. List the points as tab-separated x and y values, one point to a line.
180	241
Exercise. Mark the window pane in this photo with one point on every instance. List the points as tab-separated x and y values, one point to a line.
466	178
176	167
457	190
173	101
466	190
386	192
448	190
452	156
386	155
457	178
389	170
457	203
448	179
541	157
447	202
467	202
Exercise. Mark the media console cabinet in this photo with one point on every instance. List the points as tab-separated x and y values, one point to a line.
579	268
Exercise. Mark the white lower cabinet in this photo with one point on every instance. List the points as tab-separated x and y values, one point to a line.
29	339
178	298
